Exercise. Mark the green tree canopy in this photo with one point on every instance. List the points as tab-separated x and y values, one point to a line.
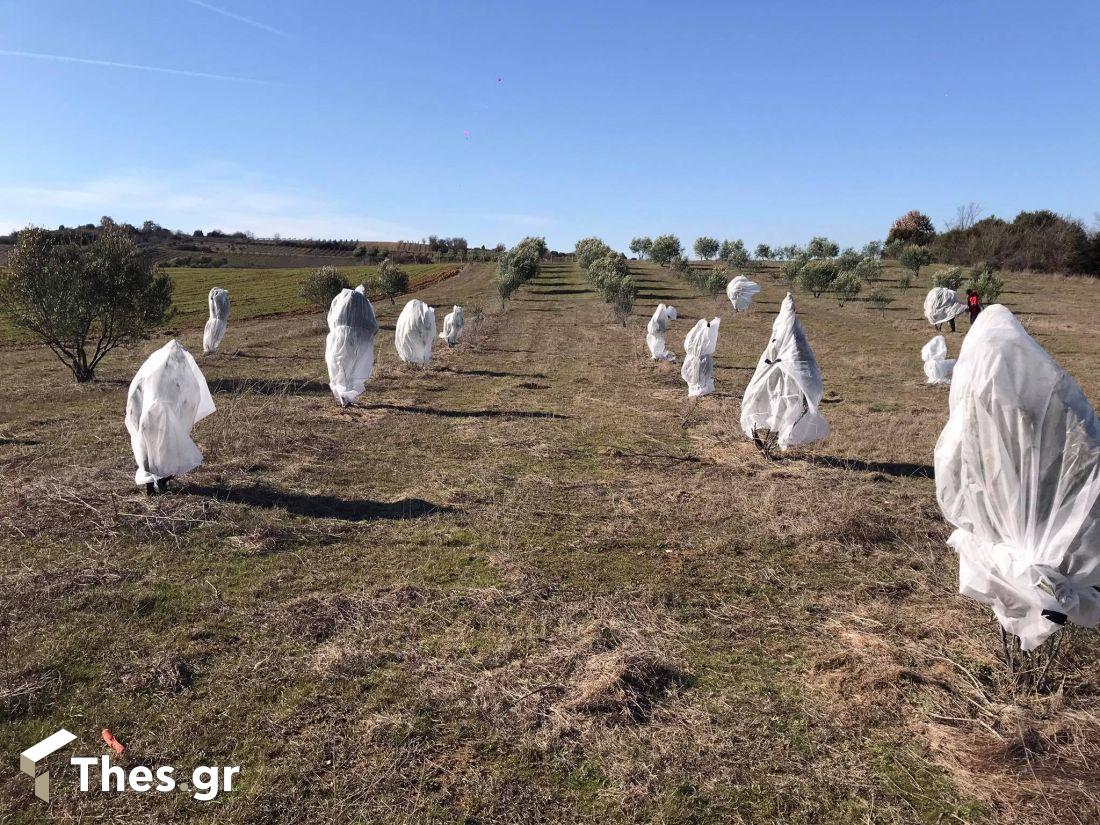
82	301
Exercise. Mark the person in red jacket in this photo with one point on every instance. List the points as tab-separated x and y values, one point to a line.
973	304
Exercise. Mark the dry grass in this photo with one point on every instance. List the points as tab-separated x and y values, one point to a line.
532	582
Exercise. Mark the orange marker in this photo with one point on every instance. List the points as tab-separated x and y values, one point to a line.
109	738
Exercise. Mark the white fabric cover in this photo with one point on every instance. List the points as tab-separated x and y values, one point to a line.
699	348
453	322
740	291
349	348
167	397
1018	475
941	305
784	394
937	366
415	332
655	333
219	314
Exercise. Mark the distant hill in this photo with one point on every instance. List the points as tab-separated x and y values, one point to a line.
239	249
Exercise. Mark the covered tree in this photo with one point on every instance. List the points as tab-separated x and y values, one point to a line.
83	301
912	228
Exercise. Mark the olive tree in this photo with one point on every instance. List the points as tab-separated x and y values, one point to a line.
817	276
322	285
641	246
985	281
764	252
610	273
821	247
519	265
588	250
665	248
734	254
706	248
83	301
913	257
846	286
391	280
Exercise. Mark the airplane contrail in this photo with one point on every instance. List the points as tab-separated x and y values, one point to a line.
238	17
63	58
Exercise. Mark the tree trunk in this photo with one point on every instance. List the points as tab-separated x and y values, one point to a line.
83	374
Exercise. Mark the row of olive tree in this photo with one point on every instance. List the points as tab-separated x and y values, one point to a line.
609	272
520	264
326	282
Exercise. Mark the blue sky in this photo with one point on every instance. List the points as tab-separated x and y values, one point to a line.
768	121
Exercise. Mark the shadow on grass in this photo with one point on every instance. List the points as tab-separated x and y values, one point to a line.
492	373
20	442
663	296
559	291
268	386
411	408
318	506
898	469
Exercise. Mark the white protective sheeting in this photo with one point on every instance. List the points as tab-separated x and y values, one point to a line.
740	291
941	305
655	333
699	348
167	397
219	316
349	348
937	366
784	394
453	322
1018	475
415	332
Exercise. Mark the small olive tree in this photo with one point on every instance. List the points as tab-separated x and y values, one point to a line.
913	257
880	300
665	249
846	286
641	246
322	285
818	276
83	301
984	281
391	280
588	250
951	278
764	252
706	248
822	247
734	254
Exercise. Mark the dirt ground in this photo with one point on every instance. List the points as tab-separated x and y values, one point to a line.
532	582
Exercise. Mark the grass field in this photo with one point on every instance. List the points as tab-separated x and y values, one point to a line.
253	292
533	582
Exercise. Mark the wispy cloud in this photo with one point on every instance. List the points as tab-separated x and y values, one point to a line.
232	15
193	201
62	58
